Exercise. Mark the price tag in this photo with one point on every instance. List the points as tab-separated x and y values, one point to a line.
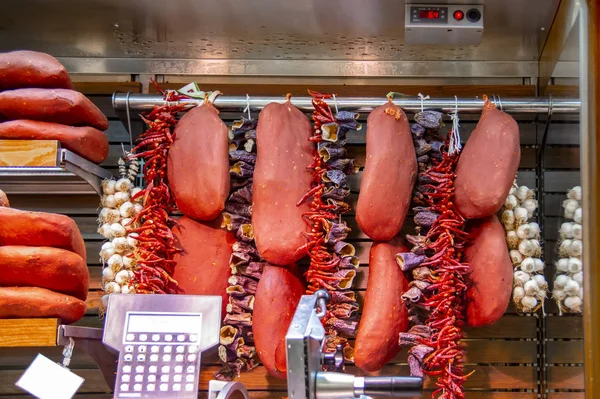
46	379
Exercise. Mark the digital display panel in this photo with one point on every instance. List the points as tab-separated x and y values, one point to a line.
164	323
429	14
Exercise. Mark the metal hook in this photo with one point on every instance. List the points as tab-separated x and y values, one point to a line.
335	103
127	111
500	102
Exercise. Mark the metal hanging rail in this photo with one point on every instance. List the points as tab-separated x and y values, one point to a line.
145	102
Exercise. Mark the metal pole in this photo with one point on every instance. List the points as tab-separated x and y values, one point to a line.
145	102
589	48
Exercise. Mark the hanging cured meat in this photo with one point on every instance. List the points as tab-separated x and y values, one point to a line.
85	141
281	179
389	175
34	302
198	164
384	314
487	166
20	69
203	263
67	107
277	296
491	272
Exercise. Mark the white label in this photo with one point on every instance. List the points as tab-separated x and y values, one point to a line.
45	379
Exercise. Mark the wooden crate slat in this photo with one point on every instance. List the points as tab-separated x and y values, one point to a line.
28	332
28	152
562	377
107	88
564	327
565	352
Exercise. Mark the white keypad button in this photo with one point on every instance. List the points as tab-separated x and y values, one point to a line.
130	337
150	387
138	378
165	369
154	358
191	358
142	349
177	387
192	349
178	369
155	337
137	387
125	377
127	369
168	338
164	378
129	348
124	387
177	378
164	387
152	369
193	338
190	369
189	387
128	357
168	349
179	358
139	369
166	358
181	338
154	348
189	378
151	378
141	358
180	349
143	337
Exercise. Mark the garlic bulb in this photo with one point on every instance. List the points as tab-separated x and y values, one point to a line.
120	198
126	209
123	277
541	282
528	265
108	274
108	187
578	278
115	262
524	231
575	193
117	230
511	202
128	262
561	281
515	257
107	250
109	201
137	208
521	193
578	216
123	185
566	230
531	205
518	294
562	265
520	278
112	288
125	289
573	303
521	215
508	218
565	248
529	303
559	294
577	231
512	239
531	287
534	230
539	265
572	287
571	205
576	249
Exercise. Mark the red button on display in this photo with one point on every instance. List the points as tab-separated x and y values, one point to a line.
459	15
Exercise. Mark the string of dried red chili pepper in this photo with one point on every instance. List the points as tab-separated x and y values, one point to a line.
438	290
332	261
156	243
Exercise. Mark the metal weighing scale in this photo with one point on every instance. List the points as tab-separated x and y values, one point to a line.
160	339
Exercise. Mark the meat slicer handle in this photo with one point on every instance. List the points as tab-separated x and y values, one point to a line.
391	386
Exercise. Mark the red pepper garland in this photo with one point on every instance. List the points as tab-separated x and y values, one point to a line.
332	261
438	292
156	243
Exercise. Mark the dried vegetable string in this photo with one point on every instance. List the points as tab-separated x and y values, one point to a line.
236	350
332	261
156	243
436	298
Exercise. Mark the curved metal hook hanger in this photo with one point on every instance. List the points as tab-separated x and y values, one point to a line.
127	111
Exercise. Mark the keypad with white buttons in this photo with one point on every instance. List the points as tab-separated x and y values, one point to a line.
151	365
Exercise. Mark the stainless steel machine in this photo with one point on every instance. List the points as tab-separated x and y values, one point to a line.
314	374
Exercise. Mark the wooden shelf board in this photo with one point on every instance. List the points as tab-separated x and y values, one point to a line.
28	332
